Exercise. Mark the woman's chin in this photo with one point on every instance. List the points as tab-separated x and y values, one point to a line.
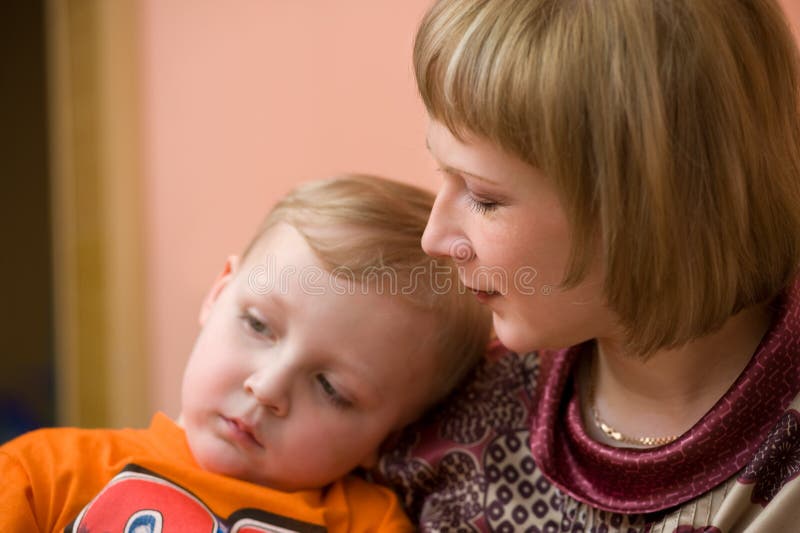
521	337
514	337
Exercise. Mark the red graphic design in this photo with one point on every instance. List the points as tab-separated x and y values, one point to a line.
139	501
135	502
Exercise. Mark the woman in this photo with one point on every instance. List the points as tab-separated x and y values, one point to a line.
621	187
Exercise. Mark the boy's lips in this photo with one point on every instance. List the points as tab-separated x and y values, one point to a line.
242	432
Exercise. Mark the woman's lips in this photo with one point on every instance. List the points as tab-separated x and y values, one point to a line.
484	296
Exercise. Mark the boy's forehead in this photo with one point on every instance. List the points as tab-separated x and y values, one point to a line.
281	243
285	238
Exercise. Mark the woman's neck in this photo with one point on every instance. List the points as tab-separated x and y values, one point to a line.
671	390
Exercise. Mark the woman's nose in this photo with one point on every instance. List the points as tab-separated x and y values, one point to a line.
443	236
271	388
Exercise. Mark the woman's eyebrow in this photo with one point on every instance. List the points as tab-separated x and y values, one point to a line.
457	171
454	170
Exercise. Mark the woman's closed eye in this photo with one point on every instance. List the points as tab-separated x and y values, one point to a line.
476	202
331	394
480	205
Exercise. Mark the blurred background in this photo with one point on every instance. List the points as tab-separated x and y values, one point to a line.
142	143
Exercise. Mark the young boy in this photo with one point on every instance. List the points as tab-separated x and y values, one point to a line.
333	331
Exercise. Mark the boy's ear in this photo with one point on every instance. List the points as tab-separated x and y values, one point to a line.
224	277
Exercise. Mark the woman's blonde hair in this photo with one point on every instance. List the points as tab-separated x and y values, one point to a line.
670	128
367	231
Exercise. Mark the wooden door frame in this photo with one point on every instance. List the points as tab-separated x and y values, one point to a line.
97	206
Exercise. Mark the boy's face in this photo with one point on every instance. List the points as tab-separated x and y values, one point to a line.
291	384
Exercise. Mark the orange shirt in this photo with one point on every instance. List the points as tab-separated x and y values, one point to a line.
114	480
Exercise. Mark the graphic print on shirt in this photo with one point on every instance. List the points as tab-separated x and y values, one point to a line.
140	501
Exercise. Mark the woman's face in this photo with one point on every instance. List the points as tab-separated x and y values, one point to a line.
502	221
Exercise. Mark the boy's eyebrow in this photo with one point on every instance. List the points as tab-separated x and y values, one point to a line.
278	299
364	376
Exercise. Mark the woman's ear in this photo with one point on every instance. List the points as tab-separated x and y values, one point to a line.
224	277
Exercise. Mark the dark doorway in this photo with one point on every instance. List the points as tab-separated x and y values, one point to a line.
26	306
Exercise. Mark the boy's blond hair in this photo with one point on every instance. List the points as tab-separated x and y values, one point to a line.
670	128
367	231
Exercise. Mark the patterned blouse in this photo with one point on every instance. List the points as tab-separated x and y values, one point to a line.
508	452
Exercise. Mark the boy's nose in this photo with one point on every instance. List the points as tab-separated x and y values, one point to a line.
270	389
443	236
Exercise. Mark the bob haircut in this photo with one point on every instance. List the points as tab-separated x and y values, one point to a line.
366	231
670	128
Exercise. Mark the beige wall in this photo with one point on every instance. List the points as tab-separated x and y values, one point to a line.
241	101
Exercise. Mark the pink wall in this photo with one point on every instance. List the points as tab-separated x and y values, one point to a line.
245	99
242	101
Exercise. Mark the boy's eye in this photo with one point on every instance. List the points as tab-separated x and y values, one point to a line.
332	394
256	325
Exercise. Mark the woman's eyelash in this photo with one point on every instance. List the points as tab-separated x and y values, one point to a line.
332	394
481	206
475	204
